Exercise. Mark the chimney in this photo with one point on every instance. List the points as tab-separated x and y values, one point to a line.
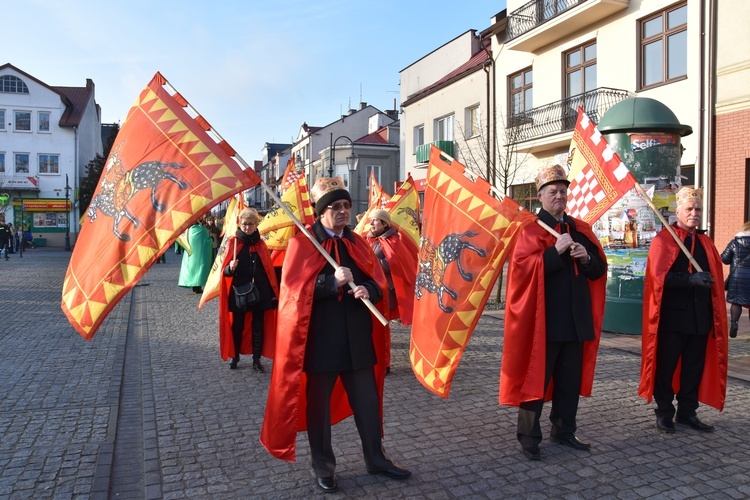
362	105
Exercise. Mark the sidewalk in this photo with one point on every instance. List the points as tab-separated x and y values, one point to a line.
148	410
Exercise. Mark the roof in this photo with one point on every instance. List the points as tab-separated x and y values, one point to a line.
475	63
74	98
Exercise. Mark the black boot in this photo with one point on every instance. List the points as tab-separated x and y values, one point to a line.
733	329
233	364
257	366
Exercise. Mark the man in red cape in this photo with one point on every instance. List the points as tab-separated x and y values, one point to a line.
684	334
226	317
553	317
329	355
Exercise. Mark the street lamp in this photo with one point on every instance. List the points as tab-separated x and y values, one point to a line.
351	161
67	218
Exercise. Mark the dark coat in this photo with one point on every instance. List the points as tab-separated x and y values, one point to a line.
737	255
566	287
686	309
340	335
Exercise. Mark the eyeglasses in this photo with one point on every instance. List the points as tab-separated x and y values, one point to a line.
342	205
248	223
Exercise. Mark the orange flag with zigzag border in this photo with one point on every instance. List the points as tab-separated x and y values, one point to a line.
467	235
164	172
277	227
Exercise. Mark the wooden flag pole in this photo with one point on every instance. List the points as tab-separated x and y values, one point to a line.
677	239
291	215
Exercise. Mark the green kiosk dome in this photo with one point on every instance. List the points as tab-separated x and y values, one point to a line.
646	134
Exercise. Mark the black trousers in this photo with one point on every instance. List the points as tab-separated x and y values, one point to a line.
362	392
669	349
564	364
238	325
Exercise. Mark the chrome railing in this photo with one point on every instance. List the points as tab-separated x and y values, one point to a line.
560	116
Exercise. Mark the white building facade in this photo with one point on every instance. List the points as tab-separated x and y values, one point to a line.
47	137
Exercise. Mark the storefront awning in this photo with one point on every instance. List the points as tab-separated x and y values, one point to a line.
18	183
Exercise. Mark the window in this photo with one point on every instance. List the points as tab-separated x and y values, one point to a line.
2	119
520	102
580	69
525	195
418	137
22	163
49	164
375	170
473	122
23	121
663	47
13	84
43	121
444	128
2	162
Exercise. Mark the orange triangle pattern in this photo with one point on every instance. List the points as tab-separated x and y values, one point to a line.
439	338
94	284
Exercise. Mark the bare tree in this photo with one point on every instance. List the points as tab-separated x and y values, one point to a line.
499	162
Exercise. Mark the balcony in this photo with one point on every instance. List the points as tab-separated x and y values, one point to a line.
541	22
423	151
558	117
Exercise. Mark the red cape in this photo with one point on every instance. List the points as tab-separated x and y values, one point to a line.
524	344
226	341
402	258
286	407
662	254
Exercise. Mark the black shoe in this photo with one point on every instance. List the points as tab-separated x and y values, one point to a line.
733	329
257	366
233	364
694	422
665	424
394	472
531	451
327	484
573	442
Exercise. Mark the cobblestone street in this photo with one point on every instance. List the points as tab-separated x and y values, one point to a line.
147	409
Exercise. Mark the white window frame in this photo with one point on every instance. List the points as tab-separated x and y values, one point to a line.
376	170
445	128
46	163
40	121
2	162
15	163
2	120
418	137
16	112
473	121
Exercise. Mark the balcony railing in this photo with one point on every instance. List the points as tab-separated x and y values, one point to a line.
561	116
534	13
423	151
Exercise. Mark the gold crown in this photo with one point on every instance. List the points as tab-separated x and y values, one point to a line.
324	185
689	195
547	175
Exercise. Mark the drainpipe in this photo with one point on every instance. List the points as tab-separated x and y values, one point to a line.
706	153
487	67
75	184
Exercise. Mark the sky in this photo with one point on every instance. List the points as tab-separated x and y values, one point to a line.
255	69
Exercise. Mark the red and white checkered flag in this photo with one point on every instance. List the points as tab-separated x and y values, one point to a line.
598	177
290	175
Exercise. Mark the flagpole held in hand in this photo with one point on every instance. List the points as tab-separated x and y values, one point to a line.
322	251
677	239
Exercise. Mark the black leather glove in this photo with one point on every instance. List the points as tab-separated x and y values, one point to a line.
703	279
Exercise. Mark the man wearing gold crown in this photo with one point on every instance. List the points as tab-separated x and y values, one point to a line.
329	360
684	333
553	317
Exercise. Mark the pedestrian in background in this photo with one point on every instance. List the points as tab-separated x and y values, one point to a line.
4	239
738	282
553	318
247	330
196	265
684	332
